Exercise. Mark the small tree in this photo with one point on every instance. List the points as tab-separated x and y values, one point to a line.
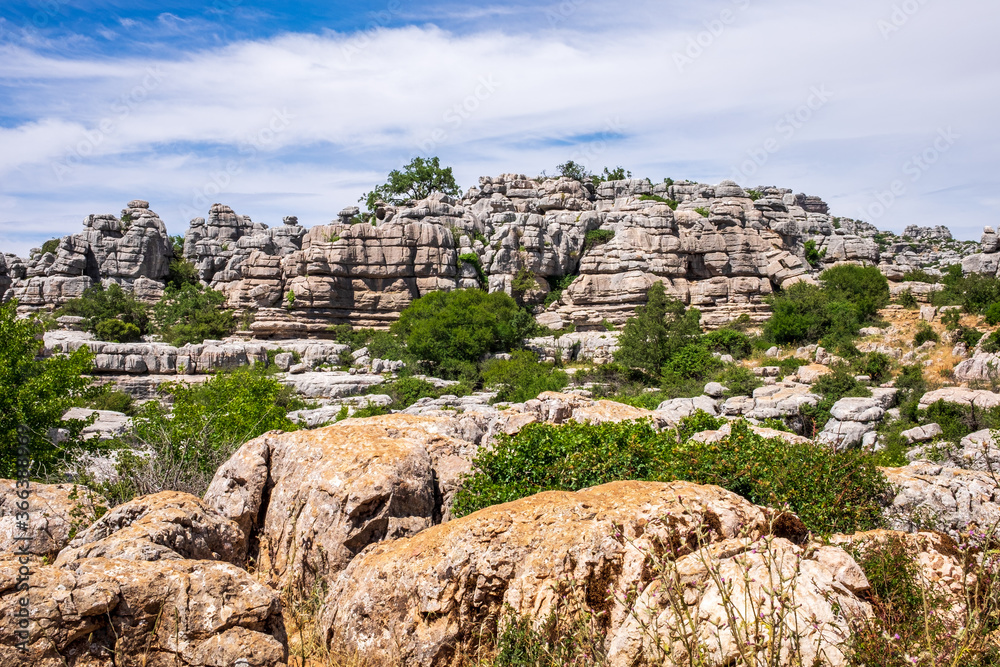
659	330
34	394
415	181
192	313
571	169
112	313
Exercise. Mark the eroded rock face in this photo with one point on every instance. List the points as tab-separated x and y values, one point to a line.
309	501
416	600
163	526
103	612
946	499
56	512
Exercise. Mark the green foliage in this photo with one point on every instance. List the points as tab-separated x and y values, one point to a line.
659	330
50	246
702	211
790	365
907	300
813	256
524	281
830	492
571	169
690	362
107	398
182	272
924	334
416	181
98	305
34	393
556	288
473	259
992	343
832	387
729	341
976	293
192	314
406	391
669	202
116	331
849	298
876	365
950	319
451	331
918	276
205	425
739	380
522	377
970	336
992	314
596	237
698	422
755	195
616	174
957	421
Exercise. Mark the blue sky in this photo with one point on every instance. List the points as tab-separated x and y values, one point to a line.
885	108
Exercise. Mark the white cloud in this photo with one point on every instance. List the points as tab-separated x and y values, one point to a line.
326	116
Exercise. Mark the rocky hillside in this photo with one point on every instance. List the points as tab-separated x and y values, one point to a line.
719	248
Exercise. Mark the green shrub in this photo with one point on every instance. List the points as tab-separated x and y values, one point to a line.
451	331
703	212
571	169
832	387
417	180
790	365
691	362
976	293
925	333
950	319
729	341
918	276
596	237
34	393
957	421
107	398
992	314
473	259
907	300
813	256
522	378
757	194
830	492
669	202
876	365
739	380
192	314
206	423
970	336
50	246
696	423
116	331
97	305
863	286
408	390
992	343
556	288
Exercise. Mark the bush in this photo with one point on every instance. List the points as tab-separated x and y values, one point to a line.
451	331
907	300
830	492
116	331
729	341
522	378
876	365
181	448
970	336
703	212
992	314
976	293
957	421
192	314
691	362
739	381
416	181
50	246
813	256
596	237
556	288
924	334
408	390
571	169
97	305
863	286
992	344
832	387
918	276
34	393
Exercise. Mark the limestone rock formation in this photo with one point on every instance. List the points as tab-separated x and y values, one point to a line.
56	512
104	612
987	261
309	501
416	601
163	526
948	499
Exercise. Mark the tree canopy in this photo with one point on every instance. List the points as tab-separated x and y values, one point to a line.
415	181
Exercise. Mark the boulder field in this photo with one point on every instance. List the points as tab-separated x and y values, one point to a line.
358	514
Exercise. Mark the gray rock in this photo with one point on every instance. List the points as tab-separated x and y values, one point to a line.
922	433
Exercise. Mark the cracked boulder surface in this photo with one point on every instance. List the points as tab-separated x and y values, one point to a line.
99	612
416	601
56	512
309	501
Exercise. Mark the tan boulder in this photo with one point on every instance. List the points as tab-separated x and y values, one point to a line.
729	596
929	495
558	408
55	513
162	526
312	500
413	601
727	429
99	613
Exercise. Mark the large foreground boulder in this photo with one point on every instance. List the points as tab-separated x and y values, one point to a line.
309	501
98	612
418	601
